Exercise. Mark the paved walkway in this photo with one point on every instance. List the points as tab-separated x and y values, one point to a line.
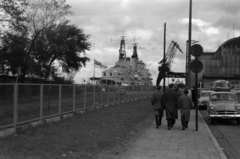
176	143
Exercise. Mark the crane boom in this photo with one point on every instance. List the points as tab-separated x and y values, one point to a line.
170	55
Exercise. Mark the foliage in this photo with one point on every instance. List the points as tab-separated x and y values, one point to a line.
62	43
12	14
38	37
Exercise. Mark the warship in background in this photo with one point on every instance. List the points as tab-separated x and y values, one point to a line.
127	71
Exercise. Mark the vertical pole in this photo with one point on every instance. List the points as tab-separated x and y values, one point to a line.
15	116
196	95
108	94
164	56
74	98
60	100
189	43
49	96
85	92
94	70
102	95
119	97
41	101
94	92
186	75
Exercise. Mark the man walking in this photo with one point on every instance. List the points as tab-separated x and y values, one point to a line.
185	104
157	106
170	99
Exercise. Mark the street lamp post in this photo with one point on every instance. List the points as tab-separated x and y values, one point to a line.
189	43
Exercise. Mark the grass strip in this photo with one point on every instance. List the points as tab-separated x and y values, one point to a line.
103	133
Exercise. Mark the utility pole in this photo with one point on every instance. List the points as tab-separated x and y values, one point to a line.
189	44
164	56
187	63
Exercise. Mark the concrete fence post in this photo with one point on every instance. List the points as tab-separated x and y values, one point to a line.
101	95
15	102
60	100
108	94
94	95
85	96
41	102
74	98
119	95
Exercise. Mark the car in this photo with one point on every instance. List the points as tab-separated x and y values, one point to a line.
223	105
235	91
204	99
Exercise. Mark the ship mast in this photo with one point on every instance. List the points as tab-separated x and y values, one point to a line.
122	51
134	55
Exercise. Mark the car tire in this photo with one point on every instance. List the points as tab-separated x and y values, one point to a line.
238	121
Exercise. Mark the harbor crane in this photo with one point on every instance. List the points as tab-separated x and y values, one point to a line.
170	55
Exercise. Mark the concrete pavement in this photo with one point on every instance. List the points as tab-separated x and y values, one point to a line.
176	143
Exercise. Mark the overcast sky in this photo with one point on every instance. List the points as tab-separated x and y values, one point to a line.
213	22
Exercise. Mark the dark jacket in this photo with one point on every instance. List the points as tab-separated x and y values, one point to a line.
185	104
156	101
170	100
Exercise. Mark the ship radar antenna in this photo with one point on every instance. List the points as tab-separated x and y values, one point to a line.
135	48
122	50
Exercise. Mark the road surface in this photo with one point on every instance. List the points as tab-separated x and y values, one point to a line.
227	133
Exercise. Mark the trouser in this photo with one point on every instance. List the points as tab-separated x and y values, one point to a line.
184	121
158	120
171	122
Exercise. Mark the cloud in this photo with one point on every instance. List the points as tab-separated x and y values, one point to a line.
141	34
104	20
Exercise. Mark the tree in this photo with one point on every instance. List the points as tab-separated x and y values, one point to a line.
40	15
11	21
42	37
64	44
11	15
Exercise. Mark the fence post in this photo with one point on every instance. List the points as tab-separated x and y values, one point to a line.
15	102
108	95
60	100
85	92
41	102
114	94
94	96
74	97
101	95
119	97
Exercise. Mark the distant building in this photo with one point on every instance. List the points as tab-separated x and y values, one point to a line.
221	64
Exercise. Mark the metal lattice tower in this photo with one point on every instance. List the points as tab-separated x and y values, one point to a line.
170	55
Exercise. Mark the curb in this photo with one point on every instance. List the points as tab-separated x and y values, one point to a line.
216	144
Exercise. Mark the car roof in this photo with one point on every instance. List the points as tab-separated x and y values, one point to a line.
223	92
207	91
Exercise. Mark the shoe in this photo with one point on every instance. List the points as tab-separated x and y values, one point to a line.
169	128
156	127
183	128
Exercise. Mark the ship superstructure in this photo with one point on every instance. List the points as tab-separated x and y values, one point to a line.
127	70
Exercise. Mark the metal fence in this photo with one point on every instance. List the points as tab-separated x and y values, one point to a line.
25	103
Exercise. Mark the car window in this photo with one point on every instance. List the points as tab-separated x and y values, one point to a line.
223	97
205	94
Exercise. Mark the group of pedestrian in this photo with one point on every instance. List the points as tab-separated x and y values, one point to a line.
171	101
